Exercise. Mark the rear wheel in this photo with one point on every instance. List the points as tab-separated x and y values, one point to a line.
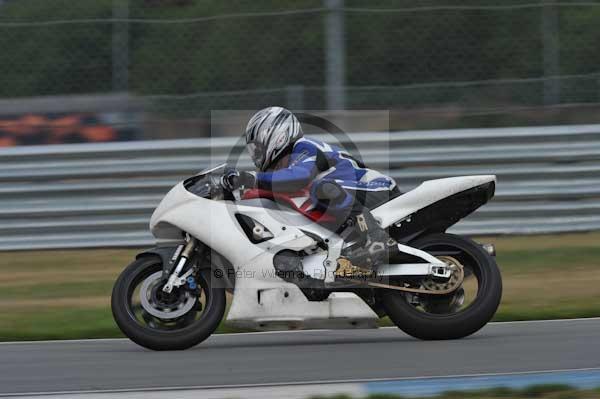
161	321
456	315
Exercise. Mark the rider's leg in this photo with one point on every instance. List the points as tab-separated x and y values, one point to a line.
371	242
372	245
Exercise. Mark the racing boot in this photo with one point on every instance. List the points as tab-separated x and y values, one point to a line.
371	248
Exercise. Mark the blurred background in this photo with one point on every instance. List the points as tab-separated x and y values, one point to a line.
146	69
105	104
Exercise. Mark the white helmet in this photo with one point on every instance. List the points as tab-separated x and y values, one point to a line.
269	134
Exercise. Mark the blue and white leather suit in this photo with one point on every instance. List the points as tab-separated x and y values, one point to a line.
313	162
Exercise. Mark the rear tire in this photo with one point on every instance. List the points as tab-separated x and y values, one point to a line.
431	326
155	339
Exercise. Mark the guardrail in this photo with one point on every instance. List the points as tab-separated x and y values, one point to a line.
102	195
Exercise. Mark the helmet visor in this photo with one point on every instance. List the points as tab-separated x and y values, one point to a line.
257	154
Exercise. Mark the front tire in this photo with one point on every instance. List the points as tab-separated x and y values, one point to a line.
147	330
436	321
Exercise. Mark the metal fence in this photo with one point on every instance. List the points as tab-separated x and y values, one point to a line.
187	56
102	195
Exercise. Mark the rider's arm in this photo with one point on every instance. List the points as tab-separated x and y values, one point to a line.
301	171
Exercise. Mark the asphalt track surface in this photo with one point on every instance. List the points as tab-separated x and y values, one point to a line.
297	357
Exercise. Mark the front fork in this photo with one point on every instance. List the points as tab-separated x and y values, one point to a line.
174	279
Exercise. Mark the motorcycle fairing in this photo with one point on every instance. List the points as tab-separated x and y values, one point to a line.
426	194
262	300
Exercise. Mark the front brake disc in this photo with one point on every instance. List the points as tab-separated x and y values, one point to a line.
163	311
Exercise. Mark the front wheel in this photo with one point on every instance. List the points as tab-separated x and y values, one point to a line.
160	321
456	315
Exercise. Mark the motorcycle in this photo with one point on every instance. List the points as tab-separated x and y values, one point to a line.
286	269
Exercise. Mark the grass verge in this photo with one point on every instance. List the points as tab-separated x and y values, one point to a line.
66	294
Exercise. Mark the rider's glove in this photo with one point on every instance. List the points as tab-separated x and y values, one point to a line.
233	179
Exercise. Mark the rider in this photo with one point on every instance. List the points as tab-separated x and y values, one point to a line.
337	182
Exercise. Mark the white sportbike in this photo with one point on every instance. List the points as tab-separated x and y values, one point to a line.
286	271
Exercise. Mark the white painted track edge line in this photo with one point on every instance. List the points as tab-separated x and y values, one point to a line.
545	321
92	340
299	383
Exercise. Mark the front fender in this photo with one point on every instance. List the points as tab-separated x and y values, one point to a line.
168	256
223	274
